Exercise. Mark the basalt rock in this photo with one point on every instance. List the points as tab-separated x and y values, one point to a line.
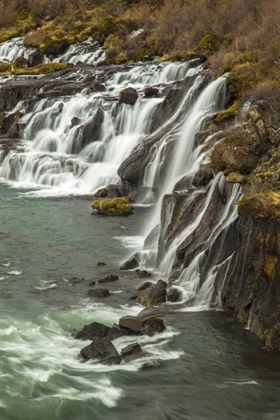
131	263
90	131
128	96
103	350
249	283
98	293
150	91
132	352
100	331
109	279
174	294
154	295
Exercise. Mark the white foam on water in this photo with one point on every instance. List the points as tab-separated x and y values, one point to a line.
15	273
131	241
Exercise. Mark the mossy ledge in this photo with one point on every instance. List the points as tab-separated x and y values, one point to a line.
265	205
112	206
9	69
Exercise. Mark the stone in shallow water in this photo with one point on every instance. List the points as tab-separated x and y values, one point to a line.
99	293
103	350
132	352
108	279
174	294
154	295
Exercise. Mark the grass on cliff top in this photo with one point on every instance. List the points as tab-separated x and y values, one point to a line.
265	205
112	206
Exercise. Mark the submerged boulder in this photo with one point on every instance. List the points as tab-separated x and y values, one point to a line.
131	263
98	293
108	279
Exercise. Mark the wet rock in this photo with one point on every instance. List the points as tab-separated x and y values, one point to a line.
152	326
154	295
145	286
35	57
143	274
108	279
174	294
100	263
131	263
235	177
150	91
76	280
132	323
98	87
10	126
99	293
75	121
20	63
92	331
128	96
203	176
92	283
132	352
103	350
111	191
89	131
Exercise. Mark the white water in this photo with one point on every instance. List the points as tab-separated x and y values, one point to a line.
86	52
54	159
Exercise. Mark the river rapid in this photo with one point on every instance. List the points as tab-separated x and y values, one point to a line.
204	367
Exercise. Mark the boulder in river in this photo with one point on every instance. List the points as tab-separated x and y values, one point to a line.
149	326
103	350
109	279
132	352
154	295
112	206
98	293
128	96
174	294
131	263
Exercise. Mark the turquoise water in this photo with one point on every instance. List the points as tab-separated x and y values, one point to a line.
205	367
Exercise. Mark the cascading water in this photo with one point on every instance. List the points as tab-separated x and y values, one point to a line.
76	145
185	163
86	52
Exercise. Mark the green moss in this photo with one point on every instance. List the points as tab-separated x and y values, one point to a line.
264	175
264	205
230	112
112	206
40	69
5	68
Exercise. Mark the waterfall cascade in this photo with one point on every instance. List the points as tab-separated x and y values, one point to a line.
86	52
74	144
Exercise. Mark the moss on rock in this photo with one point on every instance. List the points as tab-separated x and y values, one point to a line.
112	206
265	205
230	112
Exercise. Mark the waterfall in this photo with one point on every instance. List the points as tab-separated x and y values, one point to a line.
185	162
74	145
86	52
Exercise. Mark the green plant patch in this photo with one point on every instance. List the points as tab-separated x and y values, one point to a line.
112	206
230	112
265	205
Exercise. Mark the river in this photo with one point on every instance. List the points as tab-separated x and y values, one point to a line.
206	366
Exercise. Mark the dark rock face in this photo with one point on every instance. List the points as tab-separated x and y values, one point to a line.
35	58
249	282
102	350
128	96
144	286
90	131
98	293
203	176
